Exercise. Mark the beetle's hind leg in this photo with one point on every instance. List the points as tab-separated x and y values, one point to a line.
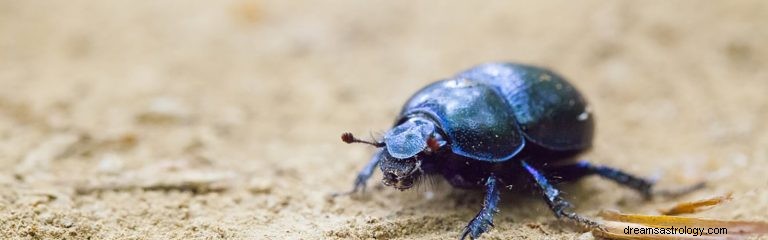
561	207
583	168
642	185
484	219
363	176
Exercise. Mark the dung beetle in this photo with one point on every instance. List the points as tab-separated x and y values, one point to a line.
495	125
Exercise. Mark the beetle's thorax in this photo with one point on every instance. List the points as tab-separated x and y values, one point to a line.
409	138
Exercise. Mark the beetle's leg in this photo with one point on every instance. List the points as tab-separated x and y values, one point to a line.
484	219
559	206
644	186
584	168
363	176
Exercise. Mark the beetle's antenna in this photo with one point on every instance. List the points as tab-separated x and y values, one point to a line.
349	138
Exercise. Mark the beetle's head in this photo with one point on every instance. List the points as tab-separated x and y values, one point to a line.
399	173
405	146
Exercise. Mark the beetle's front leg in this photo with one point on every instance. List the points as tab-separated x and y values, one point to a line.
363	175
484	219
559	206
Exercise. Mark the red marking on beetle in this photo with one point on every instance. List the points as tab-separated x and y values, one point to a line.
432	144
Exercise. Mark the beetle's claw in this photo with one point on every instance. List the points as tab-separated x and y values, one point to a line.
465	233
475	228
359	186
479	225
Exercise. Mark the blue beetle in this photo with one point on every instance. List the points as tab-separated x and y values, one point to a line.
491	126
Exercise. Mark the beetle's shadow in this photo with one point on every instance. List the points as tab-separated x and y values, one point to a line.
518	205
522	204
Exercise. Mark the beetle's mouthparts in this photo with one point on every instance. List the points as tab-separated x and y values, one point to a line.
400	182
400	173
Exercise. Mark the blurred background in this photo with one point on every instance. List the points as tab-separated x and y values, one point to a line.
221	120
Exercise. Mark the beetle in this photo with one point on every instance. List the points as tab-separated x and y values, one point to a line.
494	125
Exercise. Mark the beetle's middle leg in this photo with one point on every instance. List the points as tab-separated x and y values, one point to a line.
561	207
642	185
484	219
363	175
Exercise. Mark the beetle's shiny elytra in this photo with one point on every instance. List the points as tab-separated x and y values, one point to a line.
494	125
491	111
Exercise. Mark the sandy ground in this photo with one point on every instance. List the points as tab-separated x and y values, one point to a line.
221	119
